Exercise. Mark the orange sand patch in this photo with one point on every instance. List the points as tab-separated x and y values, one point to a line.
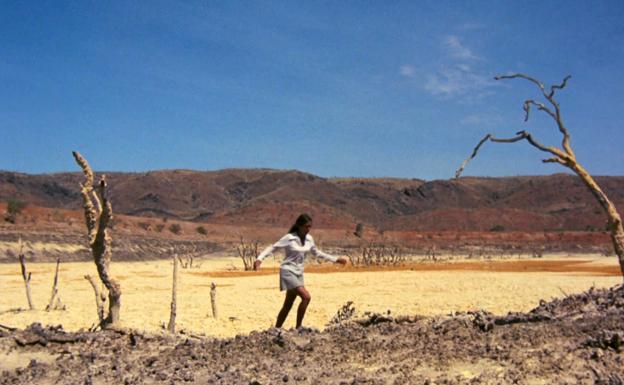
567	266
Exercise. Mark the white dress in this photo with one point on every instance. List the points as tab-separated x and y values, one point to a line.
291	269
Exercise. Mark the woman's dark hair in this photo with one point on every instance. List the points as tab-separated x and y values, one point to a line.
302	220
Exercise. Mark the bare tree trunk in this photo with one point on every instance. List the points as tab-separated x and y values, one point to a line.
99	297
98	215
615	221
55	300
26	275
174	296
101	250
213	299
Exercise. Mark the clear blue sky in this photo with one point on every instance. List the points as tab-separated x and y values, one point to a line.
332	88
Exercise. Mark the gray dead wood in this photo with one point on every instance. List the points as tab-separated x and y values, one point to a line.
55	301
14	310
25	275
174	296
213	299
100	297
9	328
248	252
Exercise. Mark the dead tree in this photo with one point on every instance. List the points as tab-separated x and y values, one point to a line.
186	255
98	213
189	261
25	274
248	252
563	156
55	301
174	296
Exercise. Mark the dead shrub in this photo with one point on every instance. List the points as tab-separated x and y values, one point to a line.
377	254
248	252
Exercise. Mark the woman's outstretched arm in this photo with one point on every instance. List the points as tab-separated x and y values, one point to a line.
318	253
283	242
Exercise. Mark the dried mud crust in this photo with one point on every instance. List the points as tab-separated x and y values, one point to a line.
574	340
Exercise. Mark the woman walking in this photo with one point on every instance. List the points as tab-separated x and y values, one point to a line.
296	244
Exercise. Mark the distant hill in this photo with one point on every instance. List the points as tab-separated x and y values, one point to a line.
275	197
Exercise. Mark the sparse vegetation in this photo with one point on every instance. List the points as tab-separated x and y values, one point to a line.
377	254
497	228
144	225
248	252
175	228
201	230
186	253
14	209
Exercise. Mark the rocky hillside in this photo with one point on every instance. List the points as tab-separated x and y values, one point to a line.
274	197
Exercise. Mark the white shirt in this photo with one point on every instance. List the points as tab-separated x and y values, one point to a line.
295	252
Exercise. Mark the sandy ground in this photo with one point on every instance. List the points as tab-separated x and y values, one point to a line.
249	301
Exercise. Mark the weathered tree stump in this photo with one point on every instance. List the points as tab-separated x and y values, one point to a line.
55	301
25	274
213	299
174	296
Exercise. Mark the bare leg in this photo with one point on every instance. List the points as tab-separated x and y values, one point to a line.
305	300
288	302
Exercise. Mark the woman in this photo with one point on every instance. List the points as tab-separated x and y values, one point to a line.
295	244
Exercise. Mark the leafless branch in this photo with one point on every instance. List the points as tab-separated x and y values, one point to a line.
86	189
540	106
520	135
559	87
474	153
99	297
98	203
478	146
523	76
86	169
556	114
248	252
554	160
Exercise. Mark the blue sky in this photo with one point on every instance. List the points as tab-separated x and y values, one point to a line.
332	88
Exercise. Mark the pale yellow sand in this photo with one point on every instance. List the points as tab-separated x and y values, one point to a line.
251	301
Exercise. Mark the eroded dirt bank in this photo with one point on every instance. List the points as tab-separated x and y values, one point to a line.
575	340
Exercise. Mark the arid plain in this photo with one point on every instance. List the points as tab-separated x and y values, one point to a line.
248	301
